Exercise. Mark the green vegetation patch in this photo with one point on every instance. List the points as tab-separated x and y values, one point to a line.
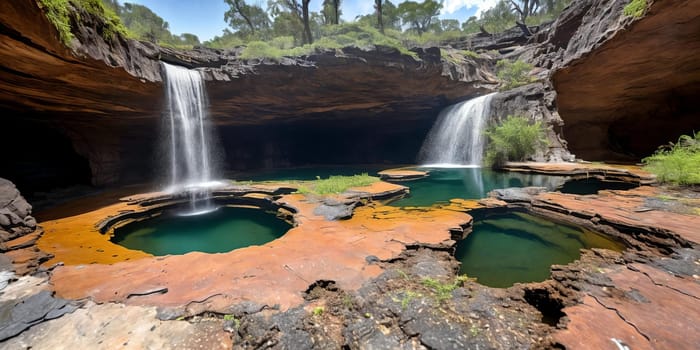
514	140
635	8
336	184
58	13
334	37
514	73
443	290
678	164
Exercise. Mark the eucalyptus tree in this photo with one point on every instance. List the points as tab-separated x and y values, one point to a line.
525	8
246	18
298	10
331	11
419	16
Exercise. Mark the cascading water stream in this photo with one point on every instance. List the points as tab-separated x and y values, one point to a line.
457	138
190	152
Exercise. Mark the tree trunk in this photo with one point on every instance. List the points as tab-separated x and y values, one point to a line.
245	17
336	5
308	39
380	20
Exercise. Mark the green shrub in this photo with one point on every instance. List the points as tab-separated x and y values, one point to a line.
283	42
514	73
678	164
336	184
443	290
635	8
261	49
58	13
514	140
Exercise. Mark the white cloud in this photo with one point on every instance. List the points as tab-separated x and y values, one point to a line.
452	6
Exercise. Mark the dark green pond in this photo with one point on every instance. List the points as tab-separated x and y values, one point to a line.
444	184
219	231
593	185
509	247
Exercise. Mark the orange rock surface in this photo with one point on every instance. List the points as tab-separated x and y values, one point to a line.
276	273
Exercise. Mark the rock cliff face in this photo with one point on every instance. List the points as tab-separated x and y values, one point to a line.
106	97
625	86
537	102
18	233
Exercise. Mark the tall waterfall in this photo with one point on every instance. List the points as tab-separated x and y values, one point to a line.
457	138
190	153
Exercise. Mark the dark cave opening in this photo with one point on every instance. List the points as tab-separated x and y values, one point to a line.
39	158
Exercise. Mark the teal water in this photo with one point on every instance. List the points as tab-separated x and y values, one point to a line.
444	184
593	185
509	247
220	231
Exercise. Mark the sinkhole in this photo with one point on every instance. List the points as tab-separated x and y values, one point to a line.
507	247
219	231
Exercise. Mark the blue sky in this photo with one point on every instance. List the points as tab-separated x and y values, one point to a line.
205	18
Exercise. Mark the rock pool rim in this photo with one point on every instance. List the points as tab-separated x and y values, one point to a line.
499	276
216	231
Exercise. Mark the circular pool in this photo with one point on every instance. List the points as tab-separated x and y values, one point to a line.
219	231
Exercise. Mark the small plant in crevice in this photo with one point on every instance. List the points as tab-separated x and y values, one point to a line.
677	164
405	297
443	290
514	73
318	311
635	8
514	139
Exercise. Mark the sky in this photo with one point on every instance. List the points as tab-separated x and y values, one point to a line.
205	18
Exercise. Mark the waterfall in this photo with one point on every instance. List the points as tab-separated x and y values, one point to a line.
190	153
457	138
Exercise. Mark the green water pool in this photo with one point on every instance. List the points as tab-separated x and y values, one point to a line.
506	247
219	231
444	184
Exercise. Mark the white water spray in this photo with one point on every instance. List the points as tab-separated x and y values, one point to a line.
190	157
457	138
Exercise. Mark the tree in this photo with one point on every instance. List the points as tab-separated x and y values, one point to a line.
449	25
498	18
331	11
241	15
378	9
144	23
525	8
419	16
298	11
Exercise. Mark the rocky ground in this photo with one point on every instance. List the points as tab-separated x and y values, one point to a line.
396	286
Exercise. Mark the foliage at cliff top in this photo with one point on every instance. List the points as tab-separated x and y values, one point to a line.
58	13
635	8
678	163
514	139
336	184
337	36
514	73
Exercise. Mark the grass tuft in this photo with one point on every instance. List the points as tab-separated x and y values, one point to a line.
635	8
336	184
677	164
